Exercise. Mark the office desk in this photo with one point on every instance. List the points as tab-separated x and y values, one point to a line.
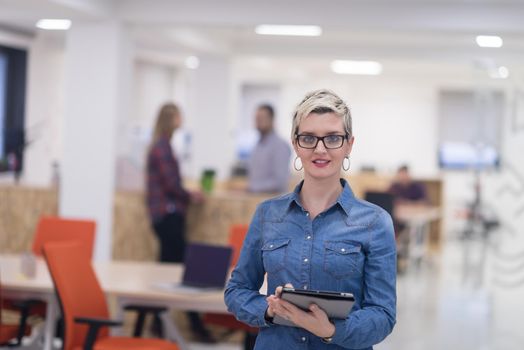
414	240
128	282
417	213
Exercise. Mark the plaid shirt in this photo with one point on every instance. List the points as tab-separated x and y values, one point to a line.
165	193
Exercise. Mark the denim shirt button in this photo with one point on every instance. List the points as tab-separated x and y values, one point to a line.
303	339
305	286
308	237
343	250
306	260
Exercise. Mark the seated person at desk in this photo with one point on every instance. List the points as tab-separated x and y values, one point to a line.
405	190
268	168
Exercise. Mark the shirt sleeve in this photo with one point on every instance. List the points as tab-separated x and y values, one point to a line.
169	172
371	324
242	295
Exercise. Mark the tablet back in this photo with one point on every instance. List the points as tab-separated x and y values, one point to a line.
338	307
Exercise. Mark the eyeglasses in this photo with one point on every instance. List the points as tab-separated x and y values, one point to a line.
329	141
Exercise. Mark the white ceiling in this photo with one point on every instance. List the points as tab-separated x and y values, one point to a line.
359	29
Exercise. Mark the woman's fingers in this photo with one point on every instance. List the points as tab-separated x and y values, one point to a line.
278	290
318	313
288	306
314	308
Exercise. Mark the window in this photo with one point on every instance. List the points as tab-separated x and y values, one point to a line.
12	108
3	88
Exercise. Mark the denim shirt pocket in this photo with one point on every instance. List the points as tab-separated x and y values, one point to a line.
341	258
274	254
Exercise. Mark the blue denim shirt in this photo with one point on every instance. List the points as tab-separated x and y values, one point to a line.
350	247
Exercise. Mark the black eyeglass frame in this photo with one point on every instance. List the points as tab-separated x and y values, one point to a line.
321	138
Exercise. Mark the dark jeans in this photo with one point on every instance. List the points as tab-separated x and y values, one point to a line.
170	231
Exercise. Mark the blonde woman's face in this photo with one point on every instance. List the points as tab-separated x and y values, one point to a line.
321	162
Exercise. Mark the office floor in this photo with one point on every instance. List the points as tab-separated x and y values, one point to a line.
441	305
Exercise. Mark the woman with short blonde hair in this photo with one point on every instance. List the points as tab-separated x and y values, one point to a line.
321	238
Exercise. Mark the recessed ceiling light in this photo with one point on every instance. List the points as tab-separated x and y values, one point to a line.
489	41
192	62
291	30
356	67
54	24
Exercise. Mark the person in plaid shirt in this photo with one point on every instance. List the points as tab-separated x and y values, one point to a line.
167	201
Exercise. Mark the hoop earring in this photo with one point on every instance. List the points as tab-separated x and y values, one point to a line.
295	164
343	163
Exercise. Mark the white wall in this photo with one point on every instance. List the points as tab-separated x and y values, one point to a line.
210	107
45	108
153	86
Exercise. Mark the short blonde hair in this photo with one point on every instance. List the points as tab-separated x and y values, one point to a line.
322	101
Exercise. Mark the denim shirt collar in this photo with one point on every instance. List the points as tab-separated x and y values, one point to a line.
344	200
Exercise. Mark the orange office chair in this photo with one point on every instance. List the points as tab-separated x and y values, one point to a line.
7	332
237	234
56	229
83	303
51	229
11	334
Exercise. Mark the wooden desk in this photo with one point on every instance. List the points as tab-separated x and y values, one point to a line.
417	213
16	286
127	282
414	240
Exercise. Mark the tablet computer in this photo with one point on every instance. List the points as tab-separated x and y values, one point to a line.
335	304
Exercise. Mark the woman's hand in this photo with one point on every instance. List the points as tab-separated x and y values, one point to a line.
315	320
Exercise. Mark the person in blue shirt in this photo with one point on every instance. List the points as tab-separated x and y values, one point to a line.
318	237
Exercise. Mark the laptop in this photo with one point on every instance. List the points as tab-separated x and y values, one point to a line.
206	268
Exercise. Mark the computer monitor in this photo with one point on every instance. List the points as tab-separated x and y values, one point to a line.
385	200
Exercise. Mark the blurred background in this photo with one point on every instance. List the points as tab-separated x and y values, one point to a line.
435	85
